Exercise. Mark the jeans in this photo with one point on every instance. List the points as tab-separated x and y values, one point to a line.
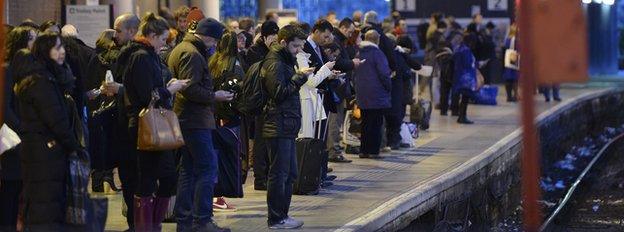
198	174
282	175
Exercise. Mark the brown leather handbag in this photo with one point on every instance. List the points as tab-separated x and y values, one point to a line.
159	128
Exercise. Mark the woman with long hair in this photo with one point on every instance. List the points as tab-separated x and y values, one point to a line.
21	37
511	75
145	75
49	132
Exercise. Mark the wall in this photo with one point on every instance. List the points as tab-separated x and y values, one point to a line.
37	10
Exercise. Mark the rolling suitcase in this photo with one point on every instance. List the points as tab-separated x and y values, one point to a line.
311	153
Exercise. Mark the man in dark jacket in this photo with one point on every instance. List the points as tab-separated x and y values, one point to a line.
345	64
385	44
256	53
194	107
282	121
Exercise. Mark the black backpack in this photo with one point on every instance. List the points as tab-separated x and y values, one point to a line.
253	96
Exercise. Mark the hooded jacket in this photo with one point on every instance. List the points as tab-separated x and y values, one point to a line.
282	112
372	79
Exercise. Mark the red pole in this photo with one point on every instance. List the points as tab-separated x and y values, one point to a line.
530	153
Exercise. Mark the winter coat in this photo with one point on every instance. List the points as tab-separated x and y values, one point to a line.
311	105
510	74
49	134
256	52
327	87
195	104
344	63
282	112
9	161
402	84
142	75
465	73
372	78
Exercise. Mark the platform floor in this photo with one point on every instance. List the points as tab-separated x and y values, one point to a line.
366	184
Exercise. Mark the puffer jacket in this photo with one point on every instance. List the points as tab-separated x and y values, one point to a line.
465	72
195	104
372	79
282	112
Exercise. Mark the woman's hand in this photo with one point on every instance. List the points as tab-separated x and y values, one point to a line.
330	65
176	85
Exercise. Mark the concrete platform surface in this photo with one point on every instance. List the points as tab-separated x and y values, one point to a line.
366	185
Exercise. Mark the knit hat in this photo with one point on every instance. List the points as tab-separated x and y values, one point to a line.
210	27
269	28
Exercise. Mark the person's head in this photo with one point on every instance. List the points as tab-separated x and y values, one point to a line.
226	54
193	18
477	18
305	27
49	48
371	17
155	30
268	32
171	39
292	39
331	51
346	27
357	16
450	18
435	17
322	32
29	23
69	31
248	25
442	26
233	26
401	24
271	16
513	30
167	15
396	15
210	30
19	38
51	26
490	26
180	16
331	16
456	39
105	40
372	36
355	39
472	28
241	41
126	27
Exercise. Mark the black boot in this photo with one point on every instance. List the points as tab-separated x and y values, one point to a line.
463	111
97	183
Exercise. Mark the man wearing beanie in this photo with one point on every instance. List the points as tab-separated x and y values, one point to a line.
194	107
256	53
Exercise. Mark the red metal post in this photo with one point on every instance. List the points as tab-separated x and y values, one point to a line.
530	153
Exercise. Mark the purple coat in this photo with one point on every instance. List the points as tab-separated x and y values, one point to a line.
372	78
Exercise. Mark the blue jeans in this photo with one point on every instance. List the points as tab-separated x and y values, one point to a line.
282	175
198	175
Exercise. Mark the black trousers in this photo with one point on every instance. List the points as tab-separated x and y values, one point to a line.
128	174
9	200
393	128
157	171
372	121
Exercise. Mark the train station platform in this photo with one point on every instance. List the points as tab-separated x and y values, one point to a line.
370	195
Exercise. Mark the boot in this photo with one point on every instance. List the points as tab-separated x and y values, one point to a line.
160	210
143	213
97	184
463	111
107	176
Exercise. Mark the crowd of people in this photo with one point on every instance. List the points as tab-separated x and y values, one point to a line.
254	91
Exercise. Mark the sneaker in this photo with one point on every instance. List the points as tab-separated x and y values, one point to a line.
220	205
330	178
464	121
288	223
386	149
339	159
210	227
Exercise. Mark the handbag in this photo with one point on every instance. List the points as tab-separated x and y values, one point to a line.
8	139
159	128
512	58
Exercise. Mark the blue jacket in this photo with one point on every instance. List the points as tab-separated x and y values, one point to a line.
372	78
465	74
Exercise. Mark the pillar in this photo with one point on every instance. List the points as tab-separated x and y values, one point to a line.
603	39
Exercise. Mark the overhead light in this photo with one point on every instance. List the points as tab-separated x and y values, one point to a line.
598	1
587	1
608	2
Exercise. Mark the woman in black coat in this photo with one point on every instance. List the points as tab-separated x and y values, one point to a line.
47	132
21	37
145	73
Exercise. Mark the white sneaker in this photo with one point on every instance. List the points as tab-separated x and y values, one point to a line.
286	224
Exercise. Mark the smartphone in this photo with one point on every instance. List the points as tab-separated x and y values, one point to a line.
341	75
362	60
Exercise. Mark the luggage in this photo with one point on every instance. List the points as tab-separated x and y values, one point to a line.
486	95
420	113
406	135
227	147
311	155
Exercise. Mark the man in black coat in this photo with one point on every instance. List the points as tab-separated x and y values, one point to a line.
256	53
194	107
385	44
282	121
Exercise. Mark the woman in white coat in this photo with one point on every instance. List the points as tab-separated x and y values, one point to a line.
312	109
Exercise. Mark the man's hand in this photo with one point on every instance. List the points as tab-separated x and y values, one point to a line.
222	96
357	62
330	65
110	88
176	85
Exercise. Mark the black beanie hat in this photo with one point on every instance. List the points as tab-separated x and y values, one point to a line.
210	27
269	28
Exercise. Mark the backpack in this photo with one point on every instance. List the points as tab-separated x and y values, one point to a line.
253	96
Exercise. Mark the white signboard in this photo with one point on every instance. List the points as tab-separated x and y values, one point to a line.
90	21
497	5
405	5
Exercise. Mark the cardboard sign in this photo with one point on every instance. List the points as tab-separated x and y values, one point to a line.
558	42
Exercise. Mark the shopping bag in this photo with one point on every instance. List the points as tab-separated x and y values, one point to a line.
8	139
